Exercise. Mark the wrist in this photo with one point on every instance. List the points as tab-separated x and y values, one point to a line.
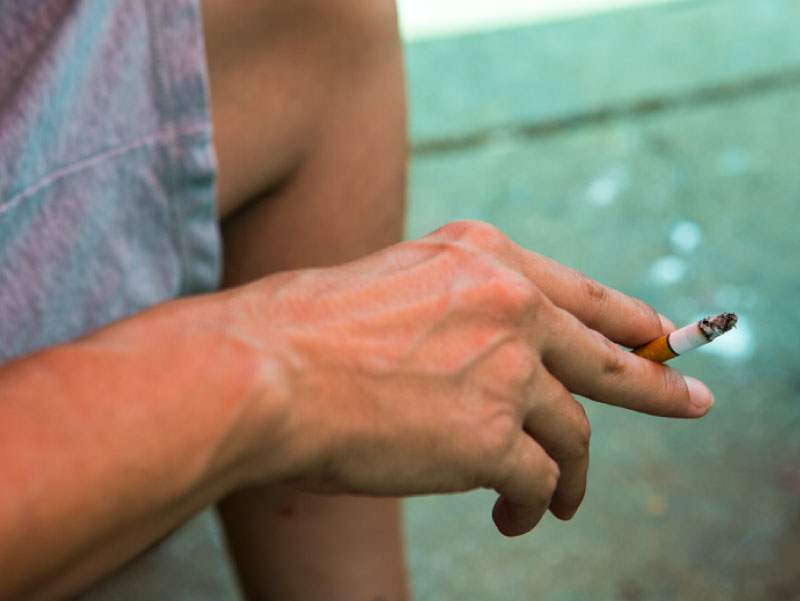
248	337
220	388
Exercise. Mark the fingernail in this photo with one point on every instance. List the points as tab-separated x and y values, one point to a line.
699	394
666	324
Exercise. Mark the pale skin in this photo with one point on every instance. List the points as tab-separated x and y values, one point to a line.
434	365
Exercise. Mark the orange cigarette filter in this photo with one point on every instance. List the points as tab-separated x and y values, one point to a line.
658	350
687	338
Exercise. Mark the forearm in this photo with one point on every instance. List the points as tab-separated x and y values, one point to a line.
111	441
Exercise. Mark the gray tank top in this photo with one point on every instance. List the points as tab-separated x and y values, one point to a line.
107	205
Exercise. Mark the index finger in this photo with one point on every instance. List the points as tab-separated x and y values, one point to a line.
621	318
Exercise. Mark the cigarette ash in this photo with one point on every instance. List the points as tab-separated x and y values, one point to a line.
737	345
715	326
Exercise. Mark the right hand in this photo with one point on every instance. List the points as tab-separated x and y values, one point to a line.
447	363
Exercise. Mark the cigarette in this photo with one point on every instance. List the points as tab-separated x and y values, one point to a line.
687	338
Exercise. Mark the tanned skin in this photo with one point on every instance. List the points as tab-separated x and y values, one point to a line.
435	365
333	190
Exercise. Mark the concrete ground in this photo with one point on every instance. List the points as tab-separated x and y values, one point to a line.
656	149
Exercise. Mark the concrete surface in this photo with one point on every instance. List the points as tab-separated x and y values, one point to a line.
684	190
562	70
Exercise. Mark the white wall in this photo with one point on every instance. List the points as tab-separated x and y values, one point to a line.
433	18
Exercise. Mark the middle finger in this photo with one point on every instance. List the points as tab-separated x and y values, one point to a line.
589	364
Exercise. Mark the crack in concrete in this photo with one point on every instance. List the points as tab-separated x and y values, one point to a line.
706	95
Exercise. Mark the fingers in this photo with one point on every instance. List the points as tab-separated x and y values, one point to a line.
558	423
589	364
528	486
619	317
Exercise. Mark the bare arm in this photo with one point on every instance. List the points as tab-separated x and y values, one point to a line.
113	440
437	365
342	199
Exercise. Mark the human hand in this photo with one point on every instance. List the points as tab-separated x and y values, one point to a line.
447	363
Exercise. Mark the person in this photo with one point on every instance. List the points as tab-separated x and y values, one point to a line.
338	369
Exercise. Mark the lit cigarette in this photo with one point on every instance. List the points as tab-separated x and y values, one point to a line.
687	338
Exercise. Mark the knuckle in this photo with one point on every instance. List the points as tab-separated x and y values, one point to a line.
672	388
491	287
584	432
583	441
507	375
577	446
477	233
612	361
516	292
454	230
480	231
498	434
592	290
594	296
667	394
551	477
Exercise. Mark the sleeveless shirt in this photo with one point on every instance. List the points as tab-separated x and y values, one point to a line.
107	205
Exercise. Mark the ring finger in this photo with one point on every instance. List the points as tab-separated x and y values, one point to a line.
558	423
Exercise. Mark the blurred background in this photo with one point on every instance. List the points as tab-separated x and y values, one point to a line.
655	146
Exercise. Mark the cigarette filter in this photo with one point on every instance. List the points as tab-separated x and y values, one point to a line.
687	338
